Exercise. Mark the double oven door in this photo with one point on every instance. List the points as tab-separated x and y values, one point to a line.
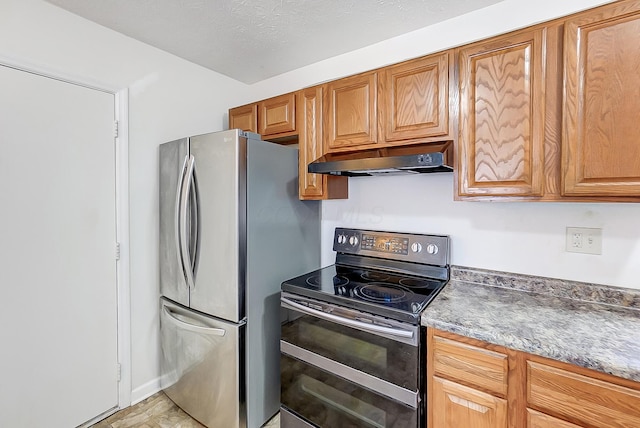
342	367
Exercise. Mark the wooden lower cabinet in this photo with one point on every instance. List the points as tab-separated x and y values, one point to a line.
460	406
538	392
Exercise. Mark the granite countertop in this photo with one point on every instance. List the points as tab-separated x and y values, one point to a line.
589	325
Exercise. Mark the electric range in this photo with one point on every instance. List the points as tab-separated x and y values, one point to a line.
395	275
352	351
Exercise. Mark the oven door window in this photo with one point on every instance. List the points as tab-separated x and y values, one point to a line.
384	358
329	401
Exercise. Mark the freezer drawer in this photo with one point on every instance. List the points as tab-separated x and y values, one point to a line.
202	366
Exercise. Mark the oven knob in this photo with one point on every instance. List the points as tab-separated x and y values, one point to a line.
416	247
353	240
432	249
342	239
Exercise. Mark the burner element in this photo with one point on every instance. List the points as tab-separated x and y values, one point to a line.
383	293
338	281
374	276
417	283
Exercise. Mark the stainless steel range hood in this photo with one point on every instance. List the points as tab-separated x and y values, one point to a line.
414	159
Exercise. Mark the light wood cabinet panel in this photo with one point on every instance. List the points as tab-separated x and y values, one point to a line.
601	144
540	393
456	406
581	398
244	117
540	420
502	114
350	112
472	365
414	99
314	186
277	116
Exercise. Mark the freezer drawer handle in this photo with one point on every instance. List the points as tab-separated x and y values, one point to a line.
192	327
346	321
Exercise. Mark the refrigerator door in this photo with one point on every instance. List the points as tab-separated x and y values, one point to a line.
201	365
220	164
173	162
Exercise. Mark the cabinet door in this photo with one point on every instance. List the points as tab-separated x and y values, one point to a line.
277	115
456	406
414	99
244	117
314	186
540	420
350	112
601	137
502	111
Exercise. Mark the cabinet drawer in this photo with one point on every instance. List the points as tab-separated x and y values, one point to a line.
540	420
479	367
581	398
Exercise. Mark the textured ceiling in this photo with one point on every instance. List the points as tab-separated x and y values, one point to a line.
252	40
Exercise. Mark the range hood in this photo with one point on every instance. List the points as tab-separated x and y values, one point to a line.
414	159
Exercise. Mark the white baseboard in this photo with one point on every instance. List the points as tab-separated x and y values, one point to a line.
145	391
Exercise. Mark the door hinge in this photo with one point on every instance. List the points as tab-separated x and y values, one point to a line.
117	251
115	129
119	370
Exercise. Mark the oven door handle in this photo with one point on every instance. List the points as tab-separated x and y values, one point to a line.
346	321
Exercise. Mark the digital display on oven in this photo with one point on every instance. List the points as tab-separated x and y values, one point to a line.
385	244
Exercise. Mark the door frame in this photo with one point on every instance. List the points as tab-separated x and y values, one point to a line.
121	141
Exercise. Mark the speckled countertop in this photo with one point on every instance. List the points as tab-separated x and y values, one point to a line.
590	325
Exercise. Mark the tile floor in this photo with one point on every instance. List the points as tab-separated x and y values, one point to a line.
158	411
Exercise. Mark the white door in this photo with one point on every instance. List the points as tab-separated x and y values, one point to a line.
58	310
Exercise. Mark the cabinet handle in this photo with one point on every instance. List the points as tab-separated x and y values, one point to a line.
468	404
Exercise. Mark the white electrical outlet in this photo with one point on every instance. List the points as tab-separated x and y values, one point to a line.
584	240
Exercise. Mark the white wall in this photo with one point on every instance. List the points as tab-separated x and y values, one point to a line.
169	98
516	237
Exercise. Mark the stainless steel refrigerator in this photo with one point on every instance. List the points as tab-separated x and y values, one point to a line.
231	230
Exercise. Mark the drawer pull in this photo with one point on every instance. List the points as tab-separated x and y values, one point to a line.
468	404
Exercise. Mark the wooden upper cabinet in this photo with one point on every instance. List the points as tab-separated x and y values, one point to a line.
414	99
350	112
601	136
502	116
244	117
277	116
314	186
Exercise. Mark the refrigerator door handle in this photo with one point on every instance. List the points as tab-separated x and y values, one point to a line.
194	222
178	215
192	327
183	222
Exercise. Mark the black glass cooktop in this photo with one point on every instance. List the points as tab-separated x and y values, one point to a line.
396	296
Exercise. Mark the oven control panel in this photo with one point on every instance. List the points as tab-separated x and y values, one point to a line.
418	248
